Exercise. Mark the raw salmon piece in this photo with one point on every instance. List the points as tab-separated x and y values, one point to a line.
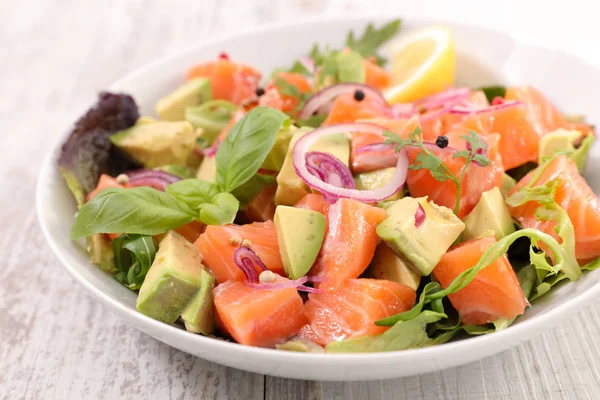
262	206
218	243
271	98
229	80
289	103
351	310
314	202
477	179
494	293
105	182
541	113
191	231
258	317
374	160
350	242
346	109
376	76
575	196
478	98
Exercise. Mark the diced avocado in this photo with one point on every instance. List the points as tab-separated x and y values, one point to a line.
300	234
422	246
300	345
557	141
143	120
387	265
290	187
508	182
159	143
101	251
491	212
208	170
178	170
192	93
276	156
172	280
376	179
198	316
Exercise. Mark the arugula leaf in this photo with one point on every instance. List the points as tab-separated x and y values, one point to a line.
140	210
403	335
246	146
491	92
134	254
372	39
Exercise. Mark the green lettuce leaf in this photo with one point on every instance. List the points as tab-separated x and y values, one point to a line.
134	254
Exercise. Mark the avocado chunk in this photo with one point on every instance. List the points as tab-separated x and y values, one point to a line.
387	265
300	234
208	169
422	246
557	141
172	280
276	156
101	251
143	120
192	93
490	213
198	316
159	143
508	182
377	179
290	187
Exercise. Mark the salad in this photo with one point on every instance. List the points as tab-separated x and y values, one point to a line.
345	203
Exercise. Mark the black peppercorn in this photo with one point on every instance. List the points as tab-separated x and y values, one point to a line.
260	91
441	142
359	95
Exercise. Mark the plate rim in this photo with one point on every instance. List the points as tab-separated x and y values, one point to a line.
514	334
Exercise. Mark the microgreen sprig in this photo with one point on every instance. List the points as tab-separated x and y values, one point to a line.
476	152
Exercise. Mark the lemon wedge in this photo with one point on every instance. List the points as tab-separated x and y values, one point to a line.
423	63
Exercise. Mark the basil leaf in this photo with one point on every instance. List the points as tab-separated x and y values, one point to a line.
220	211
140	210
350	67
247	145
193	191
403	335
134	254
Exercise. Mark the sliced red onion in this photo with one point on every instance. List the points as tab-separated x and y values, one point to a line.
464	110
404	110
303	145
284	284
212	151
419	216
308	63
325	96
329	169
154	179
452	96
247	260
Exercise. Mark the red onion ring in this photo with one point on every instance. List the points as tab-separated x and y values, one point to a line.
325	96
308	63
285	284
154	179
212	151
404	110
453	96
303	145
463	110
247	260
419	216
329	169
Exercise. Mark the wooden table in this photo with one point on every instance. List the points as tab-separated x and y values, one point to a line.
57	343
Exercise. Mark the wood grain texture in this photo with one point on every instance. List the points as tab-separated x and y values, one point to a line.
57	343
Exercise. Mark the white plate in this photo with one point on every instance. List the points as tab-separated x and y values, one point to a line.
484	57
